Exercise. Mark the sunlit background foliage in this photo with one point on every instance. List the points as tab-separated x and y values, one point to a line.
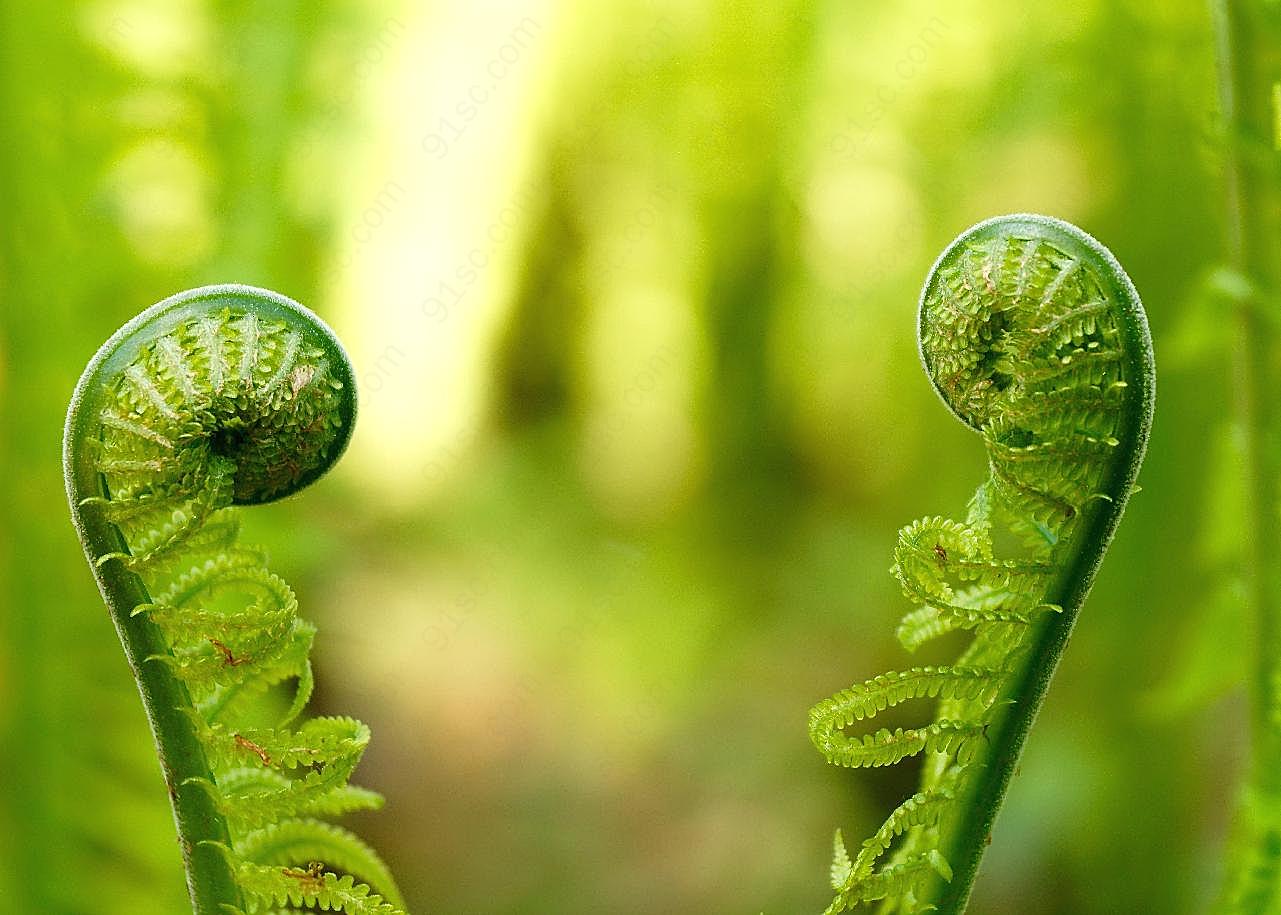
630	288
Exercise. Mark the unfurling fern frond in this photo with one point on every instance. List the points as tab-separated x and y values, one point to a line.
220	396
1033	335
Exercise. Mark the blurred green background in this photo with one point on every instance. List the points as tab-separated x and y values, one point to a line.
630	288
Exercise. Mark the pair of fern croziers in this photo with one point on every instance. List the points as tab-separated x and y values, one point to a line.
228	395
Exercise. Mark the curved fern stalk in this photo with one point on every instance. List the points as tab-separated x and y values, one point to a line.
1033	335
215	397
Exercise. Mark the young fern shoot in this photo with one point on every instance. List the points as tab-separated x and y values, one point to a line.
1034	336
222	396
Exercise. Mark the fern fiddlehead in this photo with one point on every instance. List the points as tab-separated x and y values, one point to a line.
216	397
1033	335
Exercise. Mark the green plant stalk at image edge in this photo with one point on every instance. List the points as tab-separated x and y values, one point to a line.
1034	336
1249	58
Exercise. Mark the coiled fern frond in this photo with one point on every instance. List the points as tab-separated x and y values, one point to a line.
224	396
1034	336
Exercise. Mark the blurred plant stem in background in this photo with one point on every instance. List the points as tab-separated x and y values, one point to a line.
1249	54
85	819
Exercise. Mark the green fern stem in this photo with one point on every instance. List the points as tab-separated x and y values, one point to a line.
1033	335
202	829
221	396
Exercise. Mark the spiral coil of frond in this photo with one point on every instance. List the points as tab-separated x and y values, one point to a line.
1033	336
229	395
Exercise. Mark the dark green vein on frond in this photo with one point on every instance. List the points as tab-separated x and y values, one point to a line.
1034	336
217	397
